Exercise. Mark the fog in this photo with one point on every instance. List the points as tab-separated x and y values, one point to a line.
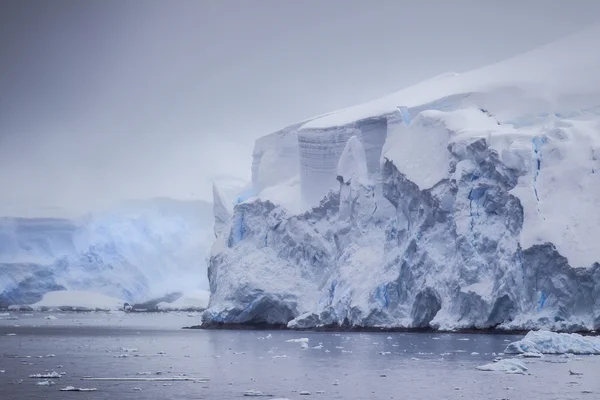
110	100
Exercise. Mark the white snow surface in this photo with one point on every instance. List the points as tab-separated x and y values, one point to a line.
545	342
78	299
194	300
479	209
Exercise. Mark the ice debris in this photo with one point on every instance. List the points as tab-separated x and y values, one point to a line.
256	393
509	366
301	340
52	374
74	389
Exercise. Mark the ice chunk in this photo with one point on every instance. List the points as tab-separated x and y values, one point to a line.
45	383
301	340
545	342
510	366
256	393
52	374
74	389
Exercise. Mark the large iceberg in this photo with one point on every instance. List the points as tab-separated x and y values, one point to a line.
136	251
466	201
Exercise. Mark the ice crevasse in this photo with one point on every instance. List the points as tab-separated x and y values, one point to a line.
466	201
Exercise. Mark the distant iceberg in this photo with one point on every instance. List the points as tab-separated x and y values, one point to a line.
136	251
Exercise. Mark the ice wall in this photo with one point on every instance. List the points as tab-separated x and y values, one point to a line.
275	157
320	150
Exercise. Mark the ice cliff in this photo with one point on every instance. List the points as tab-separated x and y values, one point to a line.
466	201
135	251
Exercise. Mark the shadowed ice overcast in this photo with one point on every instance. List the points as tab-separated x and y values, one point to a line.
107	100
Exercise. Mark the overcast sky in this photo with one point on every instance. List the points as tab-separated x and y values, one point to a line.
109	100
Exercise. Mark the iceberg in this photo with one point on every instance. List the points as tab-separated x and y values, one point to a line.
544	342
465	201
135	251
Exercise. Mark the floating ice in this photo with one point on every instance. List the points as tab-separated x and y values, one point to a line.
74	389
45	383
52	374
545	342
256	393
301	340
510	366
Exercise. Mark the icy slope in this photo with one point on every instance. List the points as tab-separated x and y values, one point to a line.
482	213
134	252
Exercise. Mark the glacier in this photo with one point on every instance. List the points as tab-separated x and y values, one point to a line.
467	201
135	251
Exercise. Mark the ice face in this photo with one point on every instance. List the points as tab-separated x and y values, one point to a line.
480	215
275	158
352	165
133	252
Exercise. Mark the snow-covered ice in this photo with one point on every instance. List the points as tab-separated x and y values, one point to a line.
77	299
194	300
477	208
544	342
47	375
509	366
300	340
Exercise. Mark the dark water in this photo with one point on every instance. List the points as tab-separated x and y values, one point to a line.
366	365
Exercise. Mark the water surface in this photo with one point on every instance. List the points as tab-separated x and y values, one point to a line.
334	366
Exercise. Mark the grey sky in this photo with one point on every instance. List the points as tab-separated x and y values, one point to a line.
107	100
